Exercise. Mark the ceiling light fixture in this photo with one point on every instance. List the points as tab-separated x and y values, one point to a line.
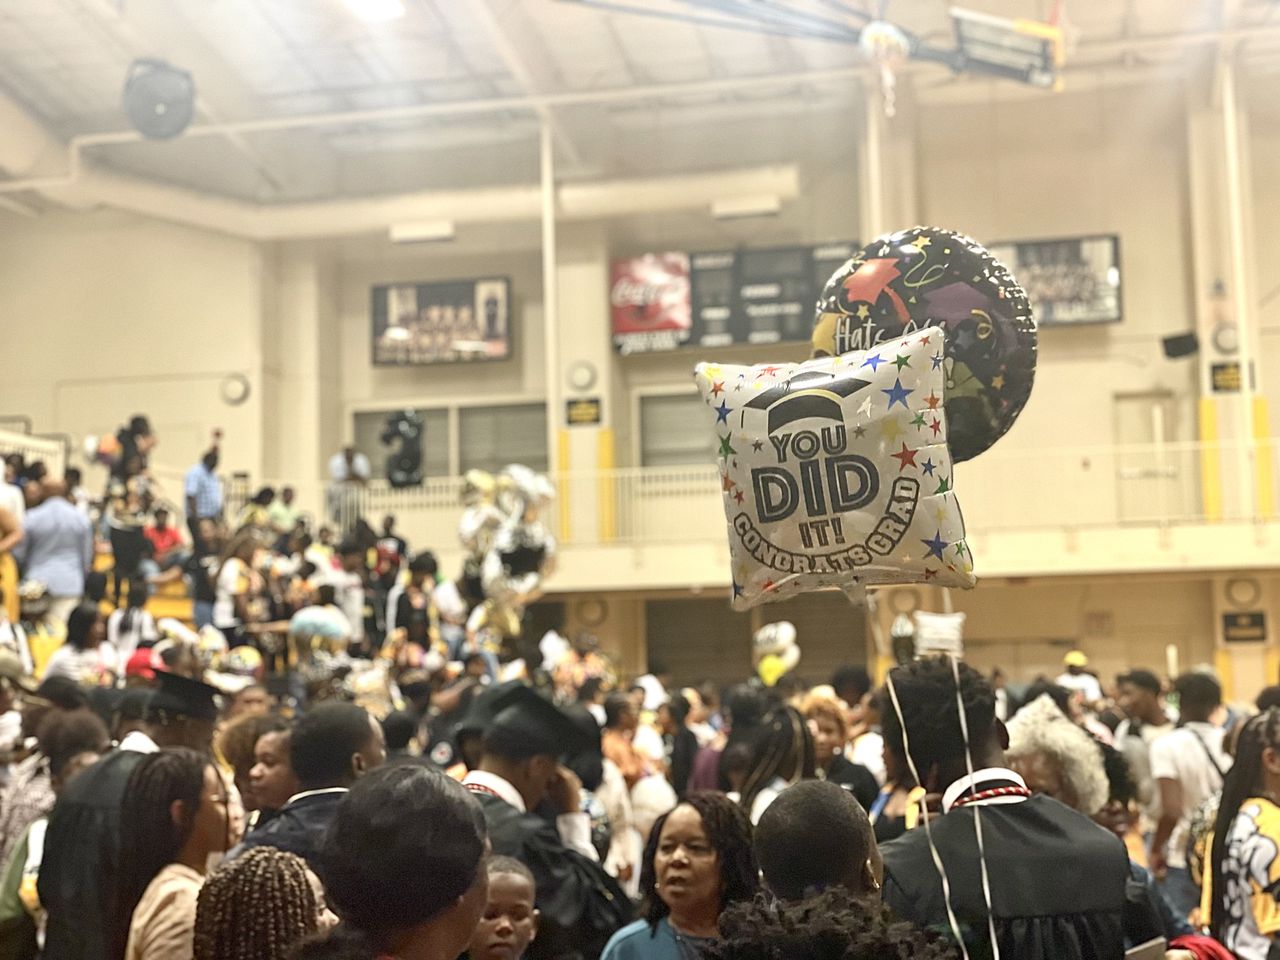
737	208
376	11
423	231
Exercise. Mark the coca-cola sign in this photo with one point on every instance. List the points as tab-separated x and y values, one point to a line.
650	303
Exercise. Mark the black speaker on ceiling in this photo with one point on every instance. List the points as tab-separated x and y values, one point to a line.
159	99
1181	345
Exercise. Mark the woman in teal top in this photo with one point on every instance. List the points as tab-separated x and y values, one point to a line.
698	861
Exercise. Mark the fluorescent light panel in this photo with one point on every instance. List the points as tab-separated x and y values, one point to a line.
376	11
422	231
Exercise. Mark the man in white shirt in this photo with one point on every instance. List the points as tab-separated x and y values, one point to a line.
1145	722
348	470
1077	678
1188	765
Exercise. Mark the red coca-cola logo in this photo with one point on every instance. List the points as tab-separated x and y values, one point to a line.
651	293
629	292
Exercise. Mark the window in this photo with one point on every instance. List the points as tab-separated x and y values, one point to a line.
489	438
435	440
673	431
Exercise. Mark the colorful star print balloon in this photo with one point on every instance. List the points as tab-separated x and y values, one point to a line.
927	278
835	472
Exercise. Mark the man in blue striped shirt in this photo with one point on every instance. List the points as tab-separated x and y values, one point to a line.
203	489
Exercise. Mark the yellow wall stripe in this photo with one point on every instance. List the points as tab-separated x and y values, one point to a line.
1224	666
607	495
563	497
1263	452
1210	460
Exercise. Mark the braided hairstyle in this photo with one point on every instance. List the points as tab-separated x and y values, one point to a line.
926	691
783	748
729	832
257	907
149	839
830	926
1243	780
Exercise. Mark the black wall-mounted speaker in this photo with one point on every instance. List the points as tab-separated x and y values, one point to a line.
1181	345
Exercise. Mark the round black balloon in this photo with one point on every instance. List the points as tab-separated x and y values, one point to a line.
928	277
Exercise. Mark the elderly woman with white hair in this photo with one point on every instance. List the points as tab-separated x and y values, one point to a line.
1060	759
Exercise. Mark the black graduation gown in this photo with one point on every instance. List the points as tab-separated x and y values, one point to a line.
82	858
1057	881
581	905
855	778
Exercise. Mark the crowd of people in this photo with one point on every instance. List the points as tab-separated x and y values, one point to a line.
332	761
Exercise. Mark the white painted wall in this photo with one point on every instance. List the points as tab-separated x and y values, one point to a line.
105	315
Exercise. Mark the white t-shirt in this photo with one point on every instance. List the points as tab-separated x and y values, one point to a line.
1081	683
85	667
12	500
126	642
348	590
1181	755
868	750
233	581
339	473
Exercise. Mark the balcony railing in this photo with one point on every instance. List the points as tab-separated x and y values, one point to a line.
1041	489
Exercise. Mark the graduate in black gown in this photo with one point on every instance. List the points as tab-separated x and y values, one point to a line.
82	844
520	775
1057	879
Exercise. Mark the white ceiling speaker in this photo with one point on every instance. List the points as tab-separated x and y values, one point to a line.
159	99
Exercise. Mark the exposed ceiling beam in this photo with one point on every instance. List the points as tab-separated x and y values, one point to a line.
575	201
515	37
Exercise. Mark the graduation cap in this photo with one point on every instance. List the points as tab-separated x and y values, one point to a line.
180	696
536	724
485	706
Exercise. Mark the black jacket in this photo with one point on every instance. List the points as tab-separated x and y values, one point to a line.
298	828
1057	881
581	905
82	860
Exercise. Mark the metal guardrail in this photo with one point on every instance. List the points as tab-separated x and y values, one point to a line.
1022	490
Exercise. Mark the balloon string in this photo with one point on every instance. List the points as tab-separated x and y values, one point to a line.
924	808
977	815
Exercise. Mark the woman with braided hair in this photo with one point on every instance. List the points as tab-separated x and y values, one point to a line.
259	907
697	862
176	814
1244	914
782	754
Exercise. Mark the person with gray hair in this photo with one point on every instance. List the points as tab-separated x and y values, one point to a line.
1056	757
1060	759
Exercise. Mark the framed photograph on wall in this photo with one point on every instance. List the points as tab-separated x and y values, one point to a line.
416	324
1071	281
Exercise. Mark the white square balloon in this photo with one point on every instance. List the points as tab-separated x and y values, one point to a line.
835	472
